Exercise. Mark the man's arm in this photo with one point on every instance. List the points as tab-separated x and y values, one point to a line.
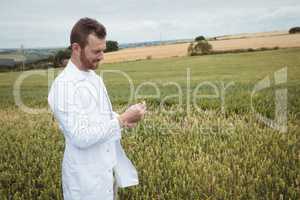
76	124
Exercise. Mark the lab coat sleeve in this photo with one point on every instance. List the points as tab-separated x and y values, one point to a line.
116	114
77	126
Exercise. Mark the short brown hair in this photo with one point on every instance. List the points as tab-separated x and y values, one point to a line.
83	28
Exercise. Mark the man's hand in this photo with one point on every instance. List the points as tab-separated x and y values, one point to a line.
132	115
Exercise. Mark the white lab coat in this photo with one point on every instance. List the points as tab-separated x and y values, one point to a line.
80	103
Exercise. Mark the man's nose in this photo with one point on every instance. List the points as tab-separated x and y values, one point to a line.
101	56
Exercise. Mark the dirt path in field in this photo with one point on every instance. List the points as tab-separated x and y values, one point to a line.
241	41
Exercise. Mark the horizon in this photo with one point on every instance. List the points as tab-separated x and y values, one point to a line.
139	42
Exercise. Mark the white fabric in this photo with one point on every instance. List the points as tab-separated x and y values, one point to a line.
79	102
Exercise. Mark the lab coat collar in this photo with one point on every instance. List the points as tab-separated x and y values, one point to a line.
77	74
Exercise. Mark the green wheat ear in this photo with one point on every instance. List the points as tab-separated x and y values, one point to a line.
142	100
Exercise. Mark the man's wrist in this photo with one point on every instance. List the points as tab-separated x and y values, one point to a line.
121	122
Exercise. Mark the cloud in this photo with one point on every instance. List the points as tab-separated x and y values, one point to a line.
48	23
282	13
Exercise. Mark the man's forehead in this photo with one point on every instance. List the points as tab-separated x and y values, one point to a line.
94	41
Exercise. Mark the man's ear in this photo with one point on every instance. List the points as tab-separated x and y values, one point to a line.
76	48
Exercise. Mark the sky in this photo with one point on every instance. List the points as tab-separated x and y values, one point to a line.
48	23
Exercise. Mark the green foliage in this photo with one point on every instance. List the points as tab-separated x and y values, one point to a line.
294	30
60	56
206	154
201	47
111	46
199	38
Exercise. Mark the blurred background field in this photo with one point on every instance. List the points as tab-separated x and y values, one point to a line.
246	41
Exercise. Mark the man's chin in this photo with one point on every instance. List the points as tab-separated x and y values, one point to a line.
94	66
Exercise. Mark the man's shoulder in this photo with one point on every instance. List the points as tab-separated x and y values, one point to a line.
61	91
65	76
61	82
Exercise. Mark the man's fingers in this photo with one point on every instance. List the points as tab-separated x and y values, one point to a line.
131	125
135	113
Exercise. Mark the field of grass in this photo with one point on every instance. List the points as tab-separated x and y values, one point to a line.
221	151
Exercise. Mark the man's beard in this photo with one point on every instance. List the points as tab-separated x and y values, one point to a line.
88	64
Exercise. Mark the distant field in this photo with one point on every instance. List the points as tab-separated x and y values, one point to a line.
15	56
247	35
241	41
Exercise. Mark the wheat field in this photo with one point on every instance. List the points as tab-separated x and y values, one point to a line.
181	152
225	43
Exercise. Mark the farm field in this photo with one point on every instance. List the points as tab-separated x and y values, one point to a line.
212	147
223	43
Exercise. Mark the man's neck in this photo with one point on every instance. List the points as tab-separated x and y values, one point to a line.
78	64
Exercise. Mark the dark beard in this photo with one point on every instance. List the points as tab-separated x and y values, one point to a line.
85	62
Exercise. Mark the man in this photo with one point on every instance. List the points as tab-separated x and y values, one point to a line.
93	157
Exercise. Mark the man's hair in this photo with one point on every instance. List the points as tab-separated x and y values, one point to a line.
83	28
